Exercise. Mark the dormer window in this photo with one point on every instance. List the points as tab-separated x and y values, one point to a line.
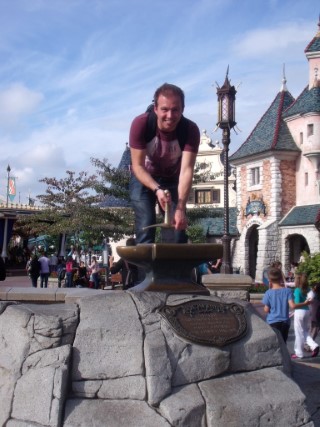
301	138
255	176
310	129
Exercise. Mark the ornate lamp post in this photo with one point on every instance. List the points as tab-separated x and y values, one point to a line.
8	171
226	121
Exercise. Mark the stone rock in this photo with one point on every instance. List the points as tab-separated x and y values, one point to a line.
158	368
191	362
14	347
133	387
109	338
38	404
129	367
17	423
34	366
266	397
54	358
258	349
111	413
184	407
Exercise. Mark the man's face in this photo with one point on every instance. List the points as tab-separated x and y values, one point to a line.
169	111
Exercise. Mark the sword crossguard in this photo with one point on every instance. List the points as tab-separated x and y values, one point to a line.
167	219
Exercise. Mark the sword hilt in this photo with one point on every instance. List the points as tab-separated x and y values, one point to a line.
167	219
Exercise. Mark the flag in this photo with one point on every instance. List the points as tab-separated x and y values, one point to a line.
11	188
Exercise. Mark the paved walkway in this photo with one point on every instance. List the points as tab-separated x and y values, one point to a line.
306	372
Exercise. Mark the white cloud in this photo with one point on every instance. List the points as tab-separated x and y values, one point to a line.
17	101
273	41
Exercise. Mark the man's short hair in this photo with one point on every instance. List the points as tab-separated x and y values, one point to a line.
275	275
167	89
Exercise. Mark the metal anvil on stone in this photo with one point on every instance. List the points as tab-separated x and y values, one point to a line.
169	266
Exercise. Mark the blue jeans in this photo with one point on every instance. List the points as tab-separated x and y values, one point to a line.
96	280
34	280
69	279
143	202
44	279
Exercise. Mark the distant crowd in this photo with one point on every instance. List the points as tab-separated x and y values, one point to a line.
75	270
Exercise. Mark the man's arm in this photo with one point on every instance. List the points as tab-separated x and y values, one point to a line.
185	183
138	167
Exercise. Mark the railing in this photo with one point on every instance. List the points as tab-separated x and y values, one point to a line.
19	206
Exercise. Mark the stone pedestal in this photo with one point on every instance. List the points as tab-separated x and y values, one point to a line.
124	365
228	285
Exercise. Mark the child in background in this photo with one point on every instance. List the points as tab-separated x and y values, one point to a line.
277	301
314	297
301	319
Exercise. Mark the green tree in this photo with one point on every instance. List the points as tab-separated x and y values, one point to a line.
78	205
74	205
310	266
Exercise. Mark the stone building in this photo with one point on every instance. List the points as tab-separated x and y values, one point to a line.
277	173
208	187
208	190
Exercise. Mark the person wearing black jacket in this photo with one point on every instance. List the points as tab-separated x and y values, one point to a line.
34	268
129	272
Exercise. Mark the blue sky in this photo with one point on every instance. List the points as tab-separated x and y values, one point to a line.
74	73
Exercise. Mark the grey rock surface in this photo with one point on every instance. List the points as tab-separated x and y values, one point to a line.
109	339
185	407
266	403
111	413
34	362
113	360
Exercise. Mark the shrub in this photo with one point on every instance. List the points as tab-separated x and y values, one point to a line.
258	288
311	266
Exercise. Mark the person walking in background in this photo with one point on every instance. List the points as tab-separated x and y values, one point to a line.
163	155
53	263
302	319
69	272
278	264
94	269
277	301
314	298
34	268
82	276
61	270
44	271
129	272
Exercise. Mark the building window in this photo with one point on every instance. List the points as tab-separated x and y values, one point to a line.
255	176
310	130
215	196
205	197
301	138
306	178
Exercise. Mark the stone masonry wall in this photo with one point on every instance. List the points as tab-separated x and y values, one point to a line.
112	360
288	173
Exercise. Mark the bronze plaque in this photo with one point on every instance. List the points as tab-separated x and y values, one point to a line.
207	322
